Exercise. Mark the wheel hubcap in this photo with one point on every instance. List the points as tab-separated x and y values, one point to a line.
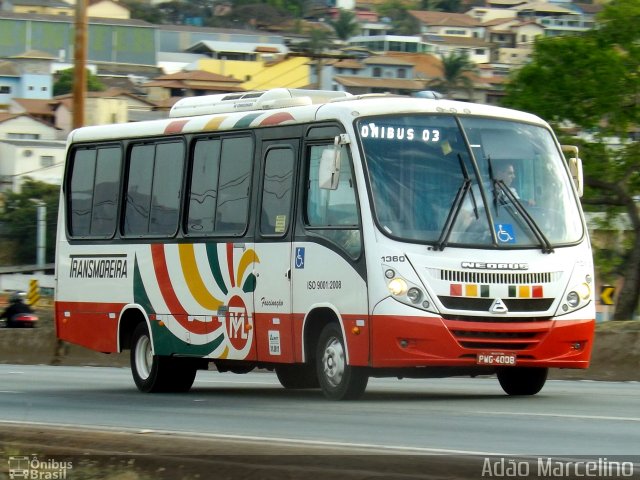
333	362
144	357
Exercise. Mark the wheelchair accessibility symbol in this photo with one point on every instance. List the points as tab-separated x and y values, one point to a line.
504	232
299	260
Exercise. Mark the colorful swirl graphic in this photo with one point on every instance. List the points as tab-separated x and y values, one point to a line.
193	276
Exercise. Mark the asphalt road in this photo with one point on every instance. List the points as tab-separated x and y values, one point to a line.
248	427
448	416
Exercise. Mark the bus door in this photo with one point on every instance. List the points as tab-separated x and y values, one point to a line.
272	295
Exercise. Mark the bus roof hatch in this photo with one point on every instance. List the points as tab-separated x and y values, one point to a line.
257	100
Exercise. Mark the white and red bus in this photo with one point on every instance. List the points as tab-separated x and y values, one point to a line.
329	237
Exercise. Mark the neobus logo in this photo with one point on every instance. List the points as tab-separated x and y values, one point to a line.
495	266
239	323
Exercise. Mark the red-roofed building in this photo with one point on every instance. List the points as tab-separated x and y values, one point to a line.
446	24
189	84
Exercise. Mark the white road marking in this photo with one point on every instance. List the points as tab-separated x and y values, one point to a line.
561	415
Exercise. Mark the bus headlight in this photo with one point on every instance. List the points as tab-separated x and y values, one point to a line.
397	286
577	297
406	291
584	291
573	299
414	294
579	293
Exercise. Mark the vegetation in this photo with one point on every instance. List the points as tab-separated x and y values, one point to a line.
19	219
592	81
64	83
456	68
345	25
243	13
397	11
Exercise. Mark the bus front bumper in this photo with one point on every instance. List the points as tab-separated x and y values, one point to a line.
403	341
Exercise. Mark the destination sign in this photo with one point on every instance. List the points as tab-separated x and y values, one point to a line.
385	132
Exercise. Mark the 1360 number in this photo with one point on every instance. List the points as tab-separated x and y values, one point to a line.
393	258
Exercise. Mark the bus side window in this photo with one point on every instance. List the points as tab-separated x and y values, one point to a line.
136	218
81	186
236	161
167	184
153	189
220	186
106	192
276	191
204	187
333	213
94	188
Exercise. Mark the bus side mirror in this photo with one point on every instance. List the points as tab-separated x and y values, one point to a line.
329	172
575	167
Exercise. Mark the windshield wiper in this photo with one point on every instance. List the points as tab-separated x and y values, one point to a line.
528	219
456	207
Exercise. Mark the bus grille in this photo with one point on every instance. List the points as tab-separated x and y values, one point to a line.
522	336
505	278
483	304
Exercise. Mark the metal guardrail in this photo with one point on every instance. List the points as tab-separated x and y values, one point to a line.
27	268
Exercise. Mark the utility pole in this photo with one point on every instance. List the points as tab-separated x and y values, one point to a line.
80	59
41	243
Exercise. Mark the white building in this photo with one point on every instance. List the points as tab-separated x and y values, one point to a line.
29	149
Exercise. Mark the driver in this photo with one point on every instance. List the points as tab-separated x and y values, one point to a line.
506	172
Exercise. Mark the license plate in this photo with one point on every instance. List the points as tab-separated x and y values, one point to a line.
494	358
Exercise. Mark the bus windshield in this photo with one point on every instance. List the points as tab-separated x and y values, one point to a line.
463	181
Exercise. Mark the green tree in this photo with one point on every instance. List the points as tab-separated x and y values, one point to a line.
345	25
398	12
319	40
456	70
64	82
253	14
19	219
591	80
453	6
295	8
144	11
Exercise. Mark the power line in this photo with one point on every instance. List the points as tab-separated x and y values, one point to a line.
55	165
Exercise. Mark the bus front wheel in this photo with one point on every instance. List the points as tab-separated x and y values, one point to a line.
155	373
338	380
522	380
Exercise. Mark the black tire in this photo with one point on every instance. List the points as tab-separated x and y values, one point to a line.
297	376
154	373
522	380
338	380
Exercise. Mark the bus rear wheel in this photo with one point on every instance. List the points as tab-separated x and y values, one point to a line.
338	380
522	380
154	373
